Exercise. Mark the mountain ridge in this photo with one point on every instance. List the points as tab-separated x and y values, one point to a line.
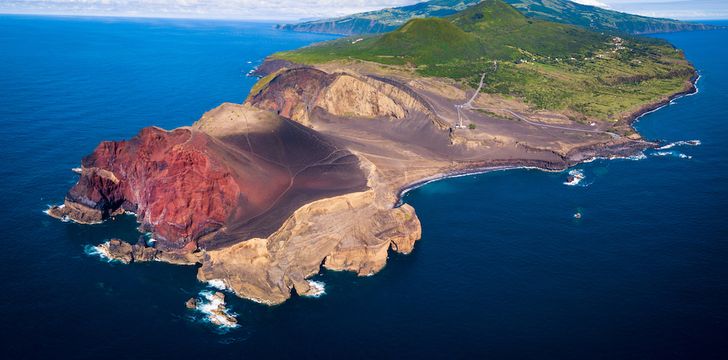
561	11
548	65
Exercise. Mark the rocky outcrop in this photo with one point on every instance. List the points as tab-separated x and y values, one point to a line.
260	201
140	252
214	307
156	175
237	174
350	232
191	303
270	66
295	93
366	97
119	250
305	175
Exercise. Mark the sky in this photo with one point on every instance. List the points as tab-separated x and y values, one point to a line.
292	10
677	9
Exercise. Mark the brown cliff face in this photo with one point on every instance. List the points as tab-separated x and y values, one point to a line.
296	93
177	190
237	174
351	232
306	174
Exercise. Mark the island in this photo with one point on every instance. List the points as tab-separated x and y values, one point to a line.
309	171
560	11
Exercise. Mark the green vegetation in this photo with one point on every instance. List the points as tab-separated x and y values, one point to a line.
548	65
492	30
263	82
591	17
471	126
381	21
560	11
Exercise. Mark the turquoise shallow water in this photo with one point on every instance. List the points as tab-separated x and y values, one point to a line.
503	269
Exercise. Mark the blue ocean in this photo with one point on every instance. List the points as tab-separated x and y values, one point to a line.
503	270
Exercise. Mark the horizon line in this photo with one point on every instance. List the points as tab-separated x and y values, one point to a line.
154	16
246	19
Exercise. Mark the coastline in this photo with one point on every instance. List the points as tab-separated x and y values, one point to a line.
501	253
531	164
650	108
260	268
487	169
456	174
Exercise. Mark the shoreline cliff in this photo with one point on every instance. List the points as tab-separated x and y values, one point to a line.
309	173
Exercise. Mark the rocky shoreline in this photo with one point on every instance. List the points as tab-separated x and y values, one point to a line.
475	169
639	146
308	173
690	89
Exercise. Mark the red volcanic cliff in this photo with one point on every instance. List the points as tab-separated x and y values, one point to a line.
166	178
237	174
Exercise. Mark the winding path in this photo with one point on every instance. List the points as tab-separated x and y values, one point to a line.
613	135
469	105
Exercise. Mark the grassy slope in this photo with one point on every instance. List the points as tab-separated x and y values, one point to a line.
548	65
384	20
591	17
561	11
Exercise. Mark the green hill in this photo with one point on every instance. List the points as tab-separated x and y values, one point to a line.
491	30
561	11
592	17
381	21
547	65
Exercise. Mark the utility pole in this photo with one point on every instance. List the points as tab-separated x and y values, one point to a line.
460	117
469	104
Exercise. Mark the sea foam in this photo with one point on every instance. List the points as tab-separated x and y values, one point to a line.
674	153
212	306
318	288
680	143
576	175
217	284
98	251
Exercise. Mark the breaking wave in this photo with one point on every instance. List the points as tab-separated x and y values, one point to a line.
216	311
640	156
48	212
575	177
636	157
318	288
98	251
680	143
217	284
672	153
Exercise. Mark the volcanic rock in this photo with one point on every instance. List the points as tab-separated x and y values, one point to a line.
308	173
219	316
142	253
118	250
191	303
296	92
237	174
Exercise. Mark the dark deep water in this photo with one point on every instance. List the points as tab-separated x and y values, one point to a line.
503	269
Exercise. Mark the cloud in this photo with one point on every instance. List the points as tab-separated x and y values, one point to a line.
242	9
678	9
592	3
291	10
